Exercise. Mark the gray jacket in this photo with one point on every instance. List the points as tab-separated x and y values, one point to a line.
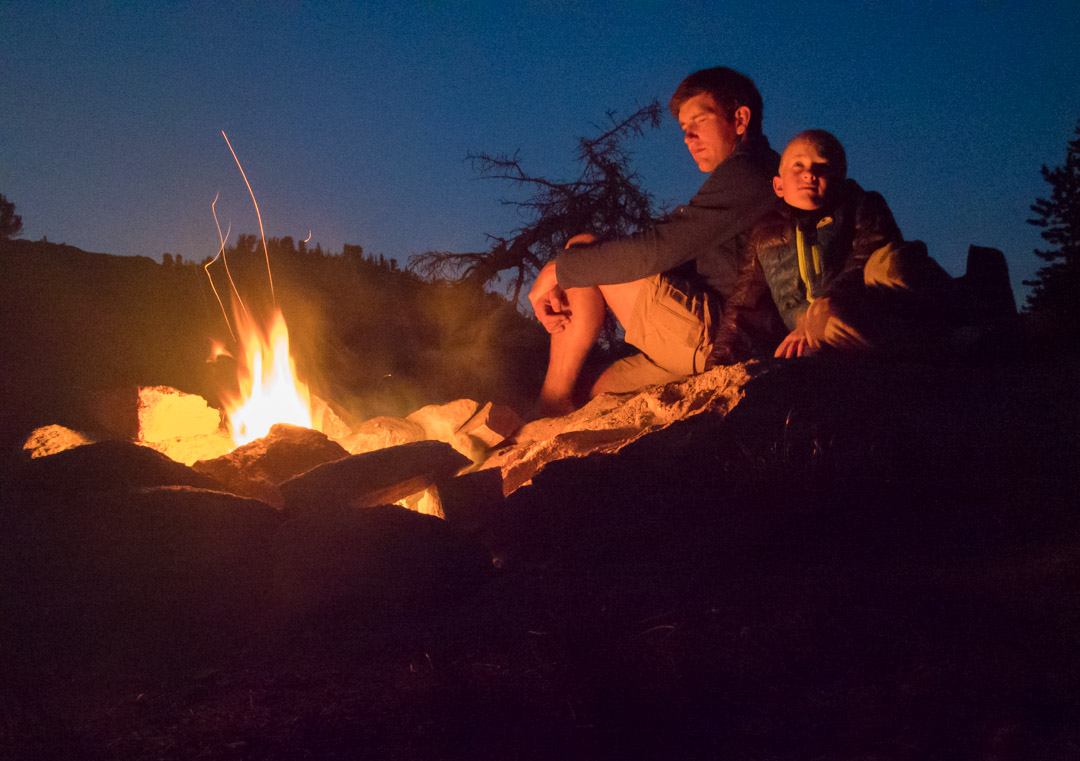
710	231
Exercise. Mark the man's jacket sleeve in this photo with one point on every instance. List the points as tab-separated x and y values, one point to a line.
729	202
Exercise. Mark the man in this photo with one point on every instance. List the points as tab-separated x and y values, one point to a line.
668	317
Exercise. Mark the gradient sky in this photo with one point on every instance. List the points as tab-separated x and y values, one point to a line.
353	121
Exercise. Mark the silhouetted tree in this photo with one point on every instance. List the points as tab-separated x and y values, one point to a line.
605	200
10	222
1056	287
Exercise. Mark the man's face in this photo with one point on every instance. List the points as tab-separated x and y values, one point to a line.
710	137
804	176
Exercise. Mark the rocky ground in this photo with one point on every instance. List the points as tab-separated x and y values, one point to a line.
855	561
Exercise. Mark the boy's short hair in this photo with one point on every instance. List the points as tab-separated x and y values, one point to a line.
828	146
729	88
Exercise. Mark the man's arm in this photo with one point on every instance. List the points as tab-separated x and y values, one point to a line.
549	300
731	200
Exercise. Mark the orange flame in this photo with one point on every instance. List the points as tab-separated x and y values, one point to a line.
270	391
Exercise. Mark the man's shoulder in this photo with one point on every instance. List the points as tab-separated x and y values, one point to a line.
751	166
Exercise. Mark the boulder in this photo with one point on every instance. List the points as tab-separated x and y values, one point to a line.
611	421
369	564
442	421
166	413
493	424
102	466
381	432
156	569
472	500
256	469
374	478
51	439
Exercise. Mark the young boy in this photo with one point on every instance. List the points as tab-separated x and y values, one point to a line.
839	271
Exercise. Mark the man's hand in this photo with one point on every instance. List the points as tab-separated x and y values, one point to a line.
549	301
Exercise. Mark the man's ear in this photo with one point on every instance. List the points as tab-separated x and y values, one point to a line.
778	187
741	119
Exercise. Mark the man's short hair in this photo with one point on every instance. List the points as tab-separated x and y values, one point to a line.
828	146
729	88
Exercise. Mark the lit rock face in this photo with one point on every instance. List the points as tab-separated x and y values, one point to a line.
103	466
256	469
381	432
611	421
373	478
51	439
180	425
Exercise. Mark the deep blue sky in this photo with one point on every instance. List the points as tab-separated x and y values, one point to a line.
353	121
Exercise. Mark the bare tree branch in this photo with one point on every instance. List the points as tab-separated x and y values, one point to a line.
605	199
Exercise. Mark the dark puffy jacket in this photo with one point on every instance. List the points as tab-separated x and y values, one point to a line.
837	242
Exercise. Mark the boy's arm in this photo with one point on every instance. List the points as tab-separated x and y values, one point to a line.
751	287
875	228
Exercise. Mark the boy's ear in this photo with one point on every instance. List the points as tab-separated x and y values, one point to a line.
778	187
741	119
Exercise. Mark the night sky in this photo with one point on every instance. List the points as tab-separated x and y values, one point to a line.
353	122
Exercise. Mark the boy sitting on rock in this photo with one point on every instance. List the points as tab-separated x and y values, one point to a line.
841	274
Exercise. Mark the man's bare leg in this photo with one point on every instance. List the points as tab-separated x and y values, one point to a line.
620	298
569	347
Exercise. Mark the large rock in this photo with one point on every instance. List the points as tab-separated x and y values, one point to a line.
256	469
441	422
382	432
102	466
181	425
611	421
374	478
159	569
53	439
369	564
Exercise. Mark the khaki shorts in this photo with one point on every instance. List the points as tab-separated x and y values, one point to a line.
672	325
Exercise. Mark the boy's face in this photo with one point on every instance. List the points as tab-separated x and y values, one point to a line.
804	176
710	137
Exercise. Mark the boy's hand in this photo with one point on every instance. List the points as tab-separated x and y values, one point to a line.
796	344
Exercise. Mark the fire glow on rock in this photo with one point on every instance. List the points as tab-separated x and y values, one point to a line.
270	391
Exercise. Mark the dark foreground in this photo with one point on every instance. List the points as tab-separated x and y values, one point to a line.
863	562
